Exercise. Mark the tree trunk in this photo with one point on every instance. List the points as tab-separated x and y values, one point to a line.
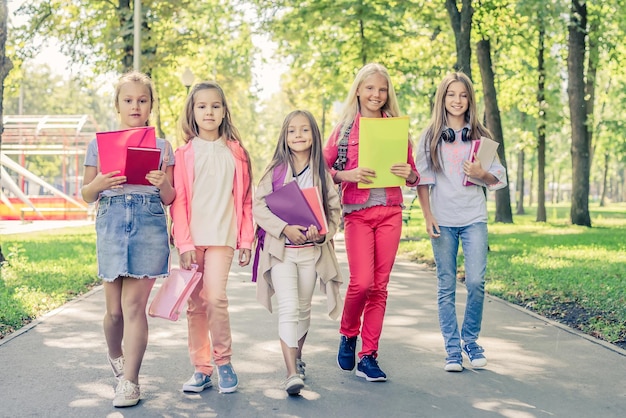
531	186
605	176
520	183
492	116
461	22
5	67
125	16
579	117
541	126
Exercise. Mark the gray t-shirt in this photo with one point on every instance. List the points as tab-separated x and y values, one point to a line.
91	160
451	203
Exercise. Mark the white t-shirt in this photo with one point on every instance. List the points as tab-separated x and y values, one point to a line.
213	219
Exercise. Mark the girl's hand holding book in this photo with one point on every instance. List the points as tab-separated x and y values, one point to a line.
157	178
313	235
473	168
402	170
360	175
108	181
295	234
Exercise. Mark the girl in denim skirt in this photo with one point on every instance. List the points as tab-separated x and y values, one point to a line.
212	216
454	212
132	239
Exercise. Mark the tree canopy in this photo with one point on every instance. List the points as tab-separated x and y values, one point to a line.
532	45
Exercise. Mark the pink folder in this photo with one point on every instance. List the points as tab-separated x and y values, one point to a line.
112	146
290	205
312	196
171	298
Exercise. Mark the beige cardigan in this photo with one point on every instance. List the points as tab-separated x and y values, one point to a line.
273	251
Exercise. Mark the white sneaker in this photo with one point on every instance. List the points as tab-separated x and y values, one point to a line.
117	365
293	384
126	394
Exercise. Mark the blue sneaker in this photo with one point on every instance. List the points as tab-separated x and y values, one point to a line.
346	357
454	363
475	354
368	368
197	383
227	378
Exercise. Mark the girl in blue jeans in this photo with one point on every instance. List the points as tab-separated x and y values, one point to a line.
454	212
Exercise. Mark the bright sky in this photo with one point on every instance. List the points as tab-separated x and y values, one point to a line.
267	70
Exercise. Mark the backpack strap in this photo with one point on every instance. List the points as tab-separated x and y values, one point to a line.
342	150
278	178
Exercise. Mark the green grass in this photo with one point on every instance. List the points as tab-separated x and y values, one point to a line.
573	274
569	273
43	271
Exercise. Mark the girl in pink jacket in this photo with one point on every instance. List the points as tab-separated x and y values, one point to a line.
212	216
372	219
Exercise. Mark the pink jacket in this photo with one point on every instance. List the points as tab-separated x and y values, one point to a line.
350	193
183	184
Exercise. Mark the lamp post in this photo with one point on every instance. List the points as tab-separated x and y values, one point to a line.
187	78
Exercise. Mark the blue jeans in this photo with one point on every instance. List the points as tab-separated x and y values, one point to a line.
445	249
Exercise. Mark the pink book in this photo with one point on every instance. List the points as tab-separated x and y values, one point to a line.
139	162
313	198
172	296
485	149
112	146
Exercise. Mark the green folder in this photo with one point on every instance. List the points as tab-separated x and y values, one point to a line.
383	142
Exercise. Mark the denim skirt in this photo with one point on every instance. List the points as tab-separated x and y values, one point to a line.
131	237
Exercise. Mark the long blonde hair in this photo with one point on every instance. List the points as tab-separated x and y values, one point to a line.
135	77
283	154
439	118
351	105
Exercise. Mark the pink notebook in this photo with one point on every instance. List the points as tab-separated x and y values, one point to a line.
485	149
112	146
139	162
171	298
313	198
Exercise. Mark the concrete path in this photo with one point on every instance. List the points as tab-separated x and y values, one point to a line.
57	366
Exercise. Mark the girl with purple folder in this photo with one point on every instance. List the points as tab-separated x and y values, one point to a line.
294	256
454	212
132	240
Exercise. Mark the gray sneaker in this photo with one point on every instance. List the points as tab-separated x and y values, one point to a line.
197	383
293	385
227	378
475	354
300	365
454	363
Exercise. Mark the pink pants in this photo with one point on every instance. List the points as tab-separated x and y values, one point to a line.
372	239
207	310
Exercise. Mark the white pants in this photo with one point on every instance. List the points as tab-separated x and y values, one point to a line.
294	282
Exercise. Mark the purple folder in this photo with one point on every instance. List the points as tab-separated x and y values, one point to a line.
290	205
